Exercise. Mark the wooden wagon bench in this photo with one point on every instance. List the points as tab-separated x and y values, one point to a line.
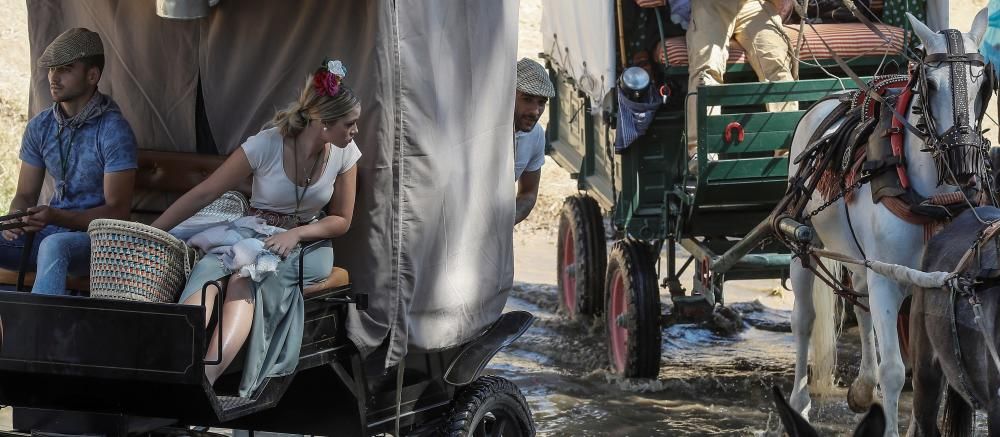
162	177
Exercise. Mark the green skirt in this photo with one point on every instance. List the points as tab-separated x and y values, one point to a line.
272	349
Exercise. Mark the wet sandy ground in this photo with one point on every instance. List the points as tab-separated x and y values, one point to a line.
708	384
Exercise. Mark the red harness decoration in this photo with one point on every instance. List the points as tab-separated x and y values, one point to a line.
897	136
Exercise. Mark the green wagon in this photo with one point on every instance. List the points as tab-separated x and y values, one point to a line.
651	202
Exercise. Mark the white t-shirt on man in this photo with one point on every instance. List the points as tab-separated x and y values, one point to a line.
274	191
529	150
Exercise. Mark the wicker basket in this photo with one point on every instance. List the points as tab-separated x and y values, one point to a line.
132	261
231	206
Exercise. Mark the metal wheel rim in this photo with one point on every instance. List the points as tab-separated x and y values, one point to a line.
497	423
568	272
618	334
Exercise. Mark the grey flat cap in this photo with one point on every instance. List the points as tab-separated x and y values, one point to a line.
533	79
72	45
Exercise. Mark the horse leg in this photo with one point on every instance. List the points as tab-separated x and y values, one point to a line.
803	315
861	394
926	379
993	417
885	297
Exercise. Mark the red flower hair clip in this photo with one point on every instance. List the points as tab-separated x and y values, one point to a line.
328	77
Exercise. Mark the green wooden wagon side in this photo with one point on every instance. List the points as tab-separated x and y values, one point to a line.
653	205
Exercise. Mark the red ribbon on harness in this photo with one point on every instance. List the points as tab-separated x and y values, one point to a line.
896	138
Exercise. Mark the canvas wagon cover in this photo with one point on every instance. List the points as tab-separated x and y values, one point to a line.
432	231
579	38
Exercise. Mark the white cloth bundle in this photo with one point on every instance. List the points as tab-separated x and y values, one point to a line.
246	256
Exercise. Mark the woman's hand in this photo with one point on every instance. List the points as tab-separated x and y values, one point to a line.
283	243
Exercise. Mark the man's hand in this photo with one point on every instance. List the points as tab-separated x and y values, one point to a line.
13	234
650	3
38	217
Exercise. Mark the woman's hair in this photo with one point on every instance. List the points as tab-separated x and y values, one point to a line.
312	105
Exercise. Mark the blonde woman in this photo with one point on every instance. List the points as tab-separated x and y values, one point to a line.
302	161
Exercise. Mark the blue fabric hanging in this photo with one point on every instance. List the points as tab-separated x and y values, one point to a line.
634	117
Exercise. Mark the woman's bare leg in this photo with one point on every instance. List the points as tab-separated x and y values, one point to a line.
195	299
237	318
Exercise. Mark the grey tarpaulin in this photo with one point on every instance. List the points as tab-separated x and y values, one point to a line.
431	240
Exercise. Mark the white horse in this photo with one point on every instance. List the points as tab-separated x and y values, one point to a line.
878	234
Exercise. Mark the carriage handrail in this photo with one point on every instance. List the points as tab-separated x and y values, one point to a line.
219	298
4	225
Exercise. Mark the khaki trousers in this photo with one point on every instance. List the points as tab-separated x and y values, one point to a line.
755	24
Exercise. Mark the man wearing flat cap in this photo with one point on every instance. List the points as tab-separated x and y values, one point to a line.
88	149
534	89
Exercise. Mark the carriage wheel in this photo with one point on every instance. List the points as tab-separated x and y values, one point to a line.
632	311
490	406
581	257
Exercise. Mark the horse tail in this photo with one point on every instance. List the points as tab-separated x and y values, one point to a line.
823	341
958	417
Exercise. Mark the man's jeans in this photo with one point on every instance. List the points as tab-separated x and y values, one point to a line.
55	253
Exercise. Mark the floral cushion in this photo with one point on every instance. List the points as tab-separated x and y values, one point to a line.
848	40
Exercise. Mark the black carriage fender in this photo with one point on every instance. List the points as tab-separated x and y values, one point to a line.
475	355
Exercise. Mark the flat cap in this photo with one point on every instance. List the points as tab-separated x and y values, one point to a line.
533	79
72	45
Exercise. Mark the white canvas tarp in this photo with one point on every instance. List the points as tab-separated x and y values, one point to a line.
579	37
432	233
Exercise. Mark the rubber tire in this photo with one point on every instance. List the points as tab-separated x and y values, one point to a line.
581	215
485	395
634	260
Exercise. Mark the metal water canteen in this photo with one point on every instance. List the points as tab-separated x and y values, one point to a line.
184	9
634	84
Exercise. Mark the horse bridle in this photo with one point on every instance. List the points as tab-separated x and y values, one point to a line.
951	148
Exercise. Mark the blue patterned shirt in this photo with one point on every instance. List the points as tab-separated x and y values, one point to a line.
104	144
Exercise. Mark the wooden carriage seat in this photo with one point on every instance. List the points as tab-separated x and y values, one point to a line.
849	40
338	278
162	177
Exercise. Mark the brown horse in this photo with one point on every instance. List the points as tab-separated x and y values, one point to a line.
948	347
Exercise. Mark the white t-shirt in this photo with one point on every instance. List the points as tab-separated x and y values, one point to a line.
529	150
274	191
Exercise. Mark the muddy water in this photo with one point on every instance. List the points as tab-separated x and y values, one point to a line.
707	385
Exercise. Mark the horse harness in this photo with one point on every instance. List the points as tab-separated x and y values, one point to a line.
874	112
966	285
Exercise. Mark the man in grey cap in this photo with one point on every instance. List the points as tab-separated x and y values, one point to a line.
85	144
534	89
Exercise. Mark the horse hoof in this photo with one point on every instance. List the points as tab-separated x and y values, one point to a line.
859	400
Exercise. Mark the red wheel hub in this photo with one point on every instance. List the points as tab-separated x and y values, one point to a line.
569	273
618	337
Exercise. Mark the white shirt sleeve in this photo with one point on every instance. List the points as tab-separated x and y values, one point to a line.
256	148
351	156
537	149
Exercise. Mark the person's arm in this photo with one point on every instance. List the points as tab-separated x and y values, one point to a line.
527	194
234	170
118	188
29	186
336	223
